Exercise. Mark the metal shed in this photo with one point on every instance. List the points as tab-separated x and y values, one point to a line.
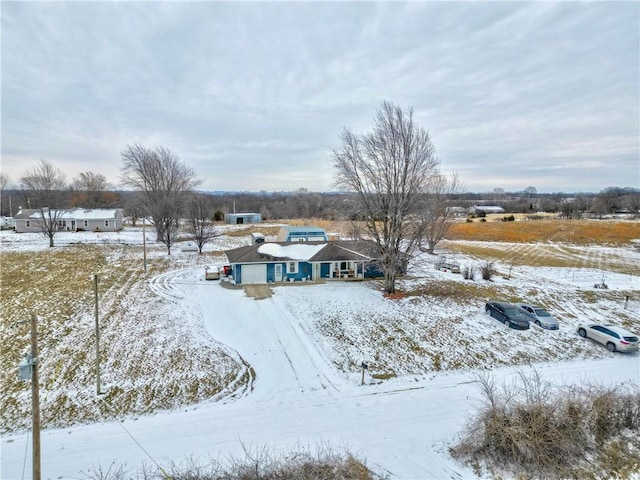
241	218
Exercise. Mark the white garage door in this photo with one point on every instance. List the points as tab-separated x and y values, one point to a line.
254	274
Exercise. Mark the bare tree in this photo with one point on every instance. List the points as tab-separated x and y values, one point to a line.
44	188
93	187
5	185
164	181
200	225
133	207
390	169
168	226
438	216
530	191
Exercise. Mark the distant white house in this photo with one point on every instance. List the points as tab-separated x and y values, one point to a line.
72	220
476	209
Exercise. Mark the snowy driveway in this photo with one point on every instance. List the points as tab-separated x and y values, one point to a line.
287	364
401	427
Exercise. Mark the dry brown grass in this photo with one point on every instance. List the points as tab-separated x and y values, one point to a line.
57	285
540	432
255	464
580	232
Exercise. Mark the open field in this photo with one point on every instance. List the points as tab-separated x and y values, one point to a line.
576	232
57	284
183	358
148	332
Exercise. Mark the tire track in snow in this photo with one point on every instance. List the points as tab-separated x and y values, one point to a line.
176	286
318	362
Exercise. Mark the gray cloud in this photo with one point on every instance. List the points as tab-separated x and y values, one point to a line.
253	95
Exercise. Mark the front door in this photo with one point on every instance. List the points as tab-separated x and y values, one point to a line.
278	272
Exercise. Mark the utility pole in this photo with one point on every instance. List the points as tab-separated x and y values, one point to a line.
144	245
95	289
28	370
35	399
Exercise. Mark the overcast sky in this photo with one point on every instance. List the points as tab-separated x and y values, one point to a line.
253	96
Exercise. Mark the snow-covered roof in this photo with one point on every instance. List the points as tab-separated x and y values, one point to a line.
74	214
298	251
489	208
91	214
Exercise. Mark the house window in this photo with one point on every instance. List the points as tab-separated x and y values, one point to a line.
86	223
292	267
106	223
28	223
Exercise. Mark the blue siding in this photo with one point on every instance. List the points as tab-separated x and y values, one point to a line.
304	271
324	270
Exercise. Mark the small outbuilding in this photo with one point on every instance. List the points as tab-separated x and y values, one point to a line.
7	223
242	218
486	209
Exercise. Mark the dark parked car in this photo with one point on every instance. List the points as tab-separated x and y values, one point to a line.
511	315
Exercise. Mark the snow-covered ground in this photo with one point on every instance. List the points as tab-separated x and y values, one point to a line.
306	388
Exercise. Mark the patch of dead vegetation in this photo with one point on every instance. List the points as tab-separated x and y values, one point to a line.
578	232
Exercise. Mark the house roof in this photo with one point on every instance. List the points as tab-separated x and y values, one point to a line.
91	214
75	214
292	251
25	213
307	251
347	250
297	229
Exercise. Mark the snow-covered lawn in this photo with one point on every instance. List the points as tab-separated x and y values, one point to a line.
297	356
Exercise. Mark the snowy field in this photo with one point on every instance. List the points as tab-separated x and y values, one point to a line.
302	347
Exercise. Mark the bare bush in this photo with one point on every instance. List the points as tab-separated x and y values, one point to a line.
469	272
488	270
528	427
255	464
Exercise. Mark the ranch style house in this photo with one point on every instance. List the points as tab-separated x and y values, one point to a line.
72	220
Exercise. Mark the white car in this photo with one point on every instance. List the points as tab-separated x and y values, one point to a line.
540	316
615	338
212	272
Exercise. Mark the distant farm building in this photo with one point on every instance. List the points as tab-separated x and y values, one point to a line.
486	209
242	218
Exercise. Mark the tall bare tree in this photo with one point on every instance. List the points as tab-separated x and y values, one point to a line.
200	224
389	169
438	214
164	181
93	187
44	188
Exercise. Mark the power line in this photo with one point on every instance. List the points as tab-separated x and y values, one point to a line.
166	475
